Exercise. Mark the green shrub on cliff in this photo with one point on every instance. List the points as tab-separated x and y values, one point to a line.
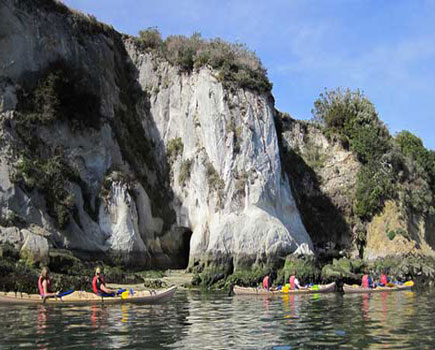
185	171
353	118
234	63
175	149
419	191
150	39
48	176
397	168
214	180
374	186
60	94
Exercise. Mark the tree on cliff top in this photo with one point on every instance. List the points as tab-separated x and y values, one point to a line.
351	117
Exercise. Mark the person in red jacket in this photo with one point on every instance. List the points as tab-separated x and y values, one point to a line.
266	282
294	282
384	279
44	285
99	285
367	281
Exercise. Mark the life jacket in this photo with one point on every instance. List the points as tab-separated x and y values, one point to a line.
292	282
384	280
365	281
266	282
96	283
41	287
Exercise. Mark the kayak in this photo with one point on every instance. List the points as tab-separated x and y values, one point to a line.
82	297
321	288
347	288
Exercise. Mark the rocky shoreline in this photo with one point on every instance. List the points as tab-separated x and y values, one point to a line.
420	269
68	272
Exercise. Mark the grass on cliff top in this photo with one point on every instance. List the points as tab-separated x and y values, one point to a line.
235	63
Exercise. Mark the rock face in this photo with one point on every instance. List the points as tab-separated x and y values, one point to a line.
323	176
43	38
156	163
392	233
226	175
110	151
35	248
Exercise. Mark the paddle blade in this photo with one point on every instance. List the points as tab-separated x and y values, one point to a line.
62	294
409	283
124	295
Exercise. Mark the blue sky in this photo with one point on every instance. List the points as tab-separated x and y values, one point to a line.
386	48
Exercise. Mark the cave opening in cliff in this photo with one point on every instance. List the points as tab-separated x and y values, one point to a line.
185	248
177	247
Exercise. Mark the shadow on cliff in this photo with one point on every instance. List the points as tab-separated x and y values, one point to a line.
141	144
324	222
79	103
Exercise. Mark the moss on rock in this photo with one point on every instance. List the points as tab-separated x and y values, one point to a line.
343	269
305	269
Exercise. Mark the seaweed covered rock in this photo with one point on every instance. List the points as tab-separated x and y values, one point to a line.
418	268
304	267
247	278
343	269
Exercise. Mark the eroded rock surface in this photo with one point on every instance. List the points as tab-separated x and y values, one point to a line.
226	177
222	184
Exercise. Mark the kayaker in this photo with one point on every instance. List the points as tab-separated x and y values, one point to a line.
384	279
294	282
99	285
367	281
44	285
266	282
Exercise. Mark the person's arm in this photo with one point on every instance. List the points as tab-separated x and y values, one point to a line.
106	290
298	285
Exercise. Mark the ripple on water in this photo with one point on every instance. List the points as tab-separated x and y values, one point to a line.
215	321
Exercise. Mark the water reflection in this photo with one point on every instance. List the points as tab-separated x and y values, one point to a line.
216	321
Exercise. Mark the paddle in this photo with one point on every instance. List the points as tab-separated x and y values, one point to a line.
62	294
58	295
409	283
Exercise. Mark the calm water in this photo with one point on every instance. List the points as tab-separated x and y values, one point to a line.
403	320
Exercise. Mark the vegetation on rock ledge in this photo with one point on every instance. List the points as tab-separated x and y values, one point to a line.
397	168
235	63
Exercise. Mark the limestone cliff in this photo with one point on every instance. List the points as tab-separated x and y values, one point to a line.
110	151
117	150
